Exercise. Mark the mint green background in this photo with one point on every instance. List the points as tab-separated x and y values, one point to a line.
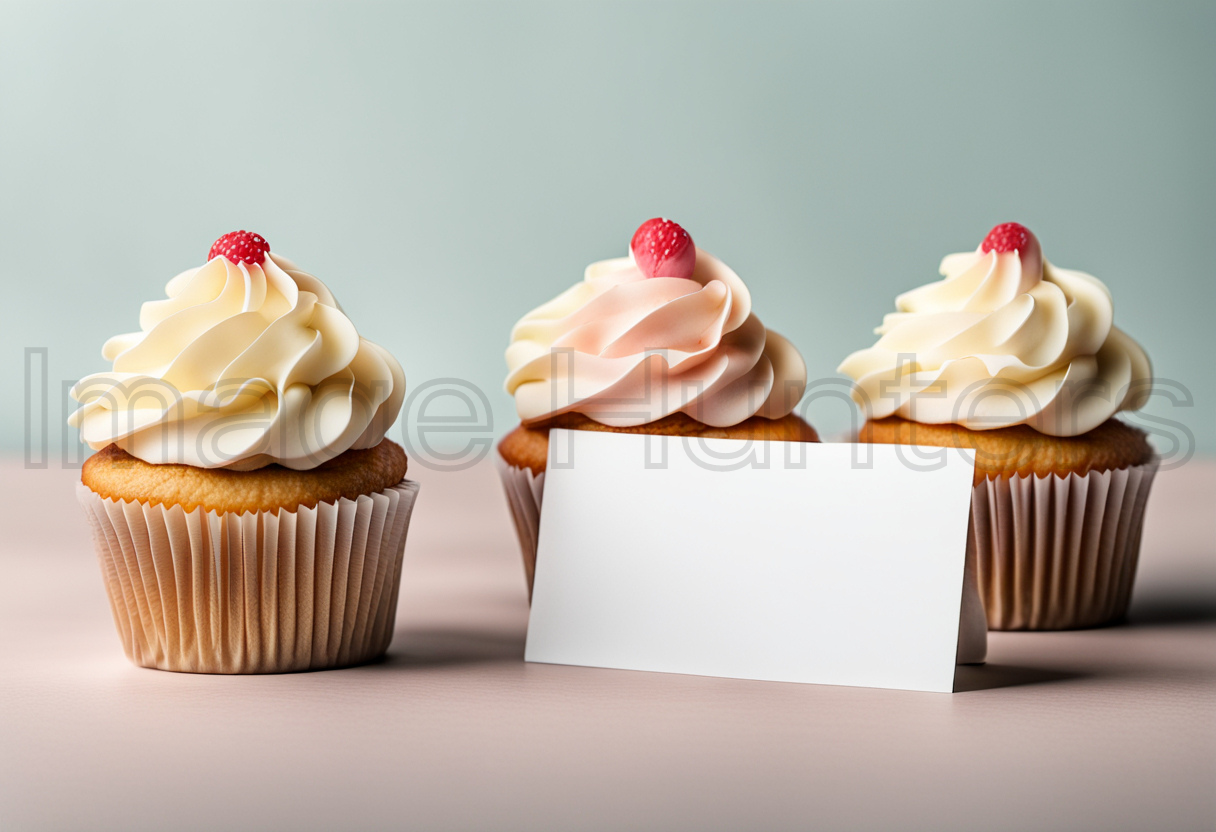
446	167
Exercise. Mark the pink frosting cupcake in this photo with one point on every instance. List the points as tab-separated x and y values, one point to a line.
663	341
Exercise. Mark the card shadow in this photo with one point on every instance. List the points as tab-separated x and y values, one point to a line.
969	678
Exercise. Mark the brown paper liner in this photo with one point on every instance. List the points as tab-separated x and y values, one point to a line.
265	592
525	492
1057	553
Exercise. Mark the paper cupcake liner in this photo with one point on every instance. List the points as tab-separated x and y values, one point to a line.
266	592
525	493
1057	553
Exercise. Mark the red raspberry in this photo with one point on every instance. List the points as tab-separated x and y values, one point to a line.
1008	236
241	247
661	248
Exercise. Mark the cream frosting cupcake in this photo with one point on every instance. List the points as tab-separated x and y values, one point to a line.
1019	361
245	363
247	510
1006	338
663	341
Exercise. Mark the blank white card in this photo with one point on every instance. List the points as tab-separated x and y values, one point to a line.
826	563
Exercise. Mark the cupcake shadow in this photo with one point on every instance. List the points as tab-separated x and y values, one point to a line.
446	647
1171	609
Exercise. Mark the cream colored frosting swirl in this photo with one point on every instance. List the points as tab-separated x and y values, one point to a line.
241	366
996	344
625	349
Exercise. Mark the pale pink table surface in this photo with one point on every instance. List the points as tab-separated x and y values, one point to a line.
1103	729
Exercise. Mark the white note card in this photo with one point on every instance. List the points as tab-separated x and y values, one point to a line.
823	563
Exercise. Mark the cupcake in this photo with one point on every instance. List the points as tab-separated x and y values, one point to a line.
661	342
248	513
1019	362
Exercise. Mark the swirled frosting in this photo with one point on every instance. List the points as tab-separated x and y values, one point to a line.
626	349
241	366
1002	340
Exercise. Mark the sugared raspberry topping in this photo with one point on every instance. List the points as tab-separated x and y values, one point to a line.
241	247
661	248
1012	236
1008	236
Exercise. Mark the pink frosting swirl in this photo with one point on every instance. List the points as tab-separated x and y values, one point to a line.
625	349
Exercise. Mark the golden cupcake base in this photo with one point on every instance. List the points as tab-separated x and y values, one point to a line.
1055	521
255	592
1059	552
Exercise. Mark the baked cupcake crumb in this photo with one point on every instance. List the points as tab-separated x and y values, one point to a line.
1021	450
528	446
112	473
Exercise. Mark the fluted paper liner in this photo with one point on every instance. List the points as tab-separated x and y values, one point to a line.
525	492
1057	552
264	592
